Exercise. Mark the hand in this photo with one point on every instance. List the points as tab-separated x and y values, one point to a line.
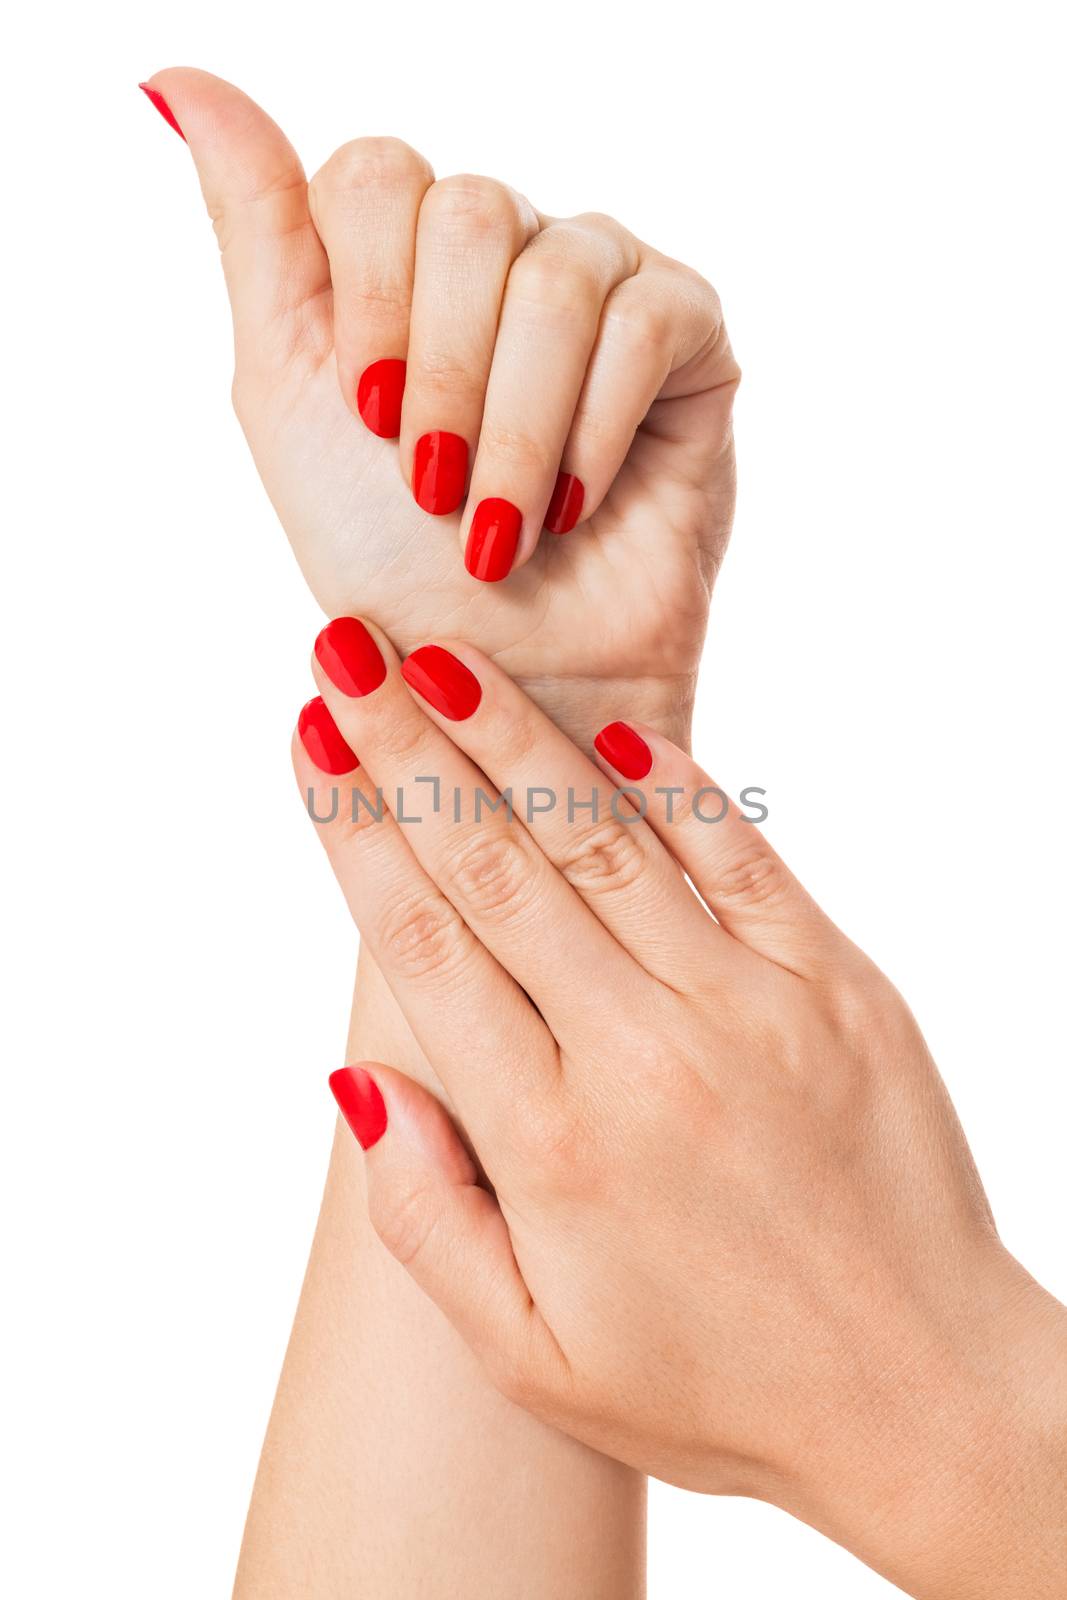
537	343
729	1230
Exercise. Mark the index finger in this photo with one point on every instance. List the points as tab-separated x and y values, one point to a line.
473	1022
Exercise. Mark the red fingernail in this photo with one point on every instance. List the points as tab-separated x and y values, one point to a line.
626	750
349	657
380	395
449	686
162	107
565	506
440	474
322	739
493	540
361	1103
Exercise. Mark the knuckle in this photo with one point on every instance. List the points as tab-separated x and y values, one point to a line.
380	297
404	1222
861	1002
703	293
642	323
373	163
551	277
490	874
595	430
471	204
443	373
408	737
752	876
420	936
517	447
600	222
357	811
606	859
520	738
560	1153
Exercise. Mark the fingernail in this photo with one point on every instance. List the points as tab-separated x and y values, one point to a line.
348	655
624	749
449	686
379	396
361	1103
493	540
162	107
322	739
565	506
440	474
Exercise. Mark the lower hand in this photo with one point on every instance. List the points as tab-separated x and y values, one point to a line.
721	1221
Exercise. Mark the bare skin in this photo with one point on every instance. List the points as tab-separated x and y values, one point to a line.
391	1466
729	1229
623	600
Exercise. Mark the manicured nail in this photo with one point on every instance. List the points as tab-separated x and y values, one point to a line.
624	749
322	739
379	397
449	686
361	1103
565	506
162	107
349	657
493	540
440	474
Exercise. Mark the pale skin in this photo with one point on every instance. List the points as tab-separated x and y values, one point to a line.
724	1224
391	1465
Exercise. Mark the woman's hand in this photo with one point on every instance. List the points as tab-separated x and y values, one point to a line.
720	1219
556	370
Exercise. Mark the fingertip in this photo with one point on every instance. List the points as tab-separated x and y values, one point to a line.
621	746
493	542
379	396
361	1103
566	505
323	740
158	99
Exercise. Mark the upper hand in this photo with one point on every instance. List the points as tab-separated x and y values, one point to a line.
541	344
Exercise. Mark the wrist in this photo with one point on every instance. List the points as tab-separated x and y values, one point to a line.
952	1483
582	706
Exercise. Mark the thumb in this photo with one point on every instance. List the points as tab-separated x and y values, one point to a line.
432	1214
256	195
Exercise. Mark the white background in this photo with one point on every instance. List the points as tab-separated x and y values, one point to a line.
878	196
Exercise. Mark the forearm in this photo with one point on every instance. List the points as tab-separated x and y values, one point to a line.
391	1467
951	1479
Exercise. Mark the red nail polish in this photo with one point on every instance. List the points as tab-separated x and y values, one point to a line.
449	686
349	657
565	506
440	474
493	540
624	749
322	739
162	107
361	1103
379	397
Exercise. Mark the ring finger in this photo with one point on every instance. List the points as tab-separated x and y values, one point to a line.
548	327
